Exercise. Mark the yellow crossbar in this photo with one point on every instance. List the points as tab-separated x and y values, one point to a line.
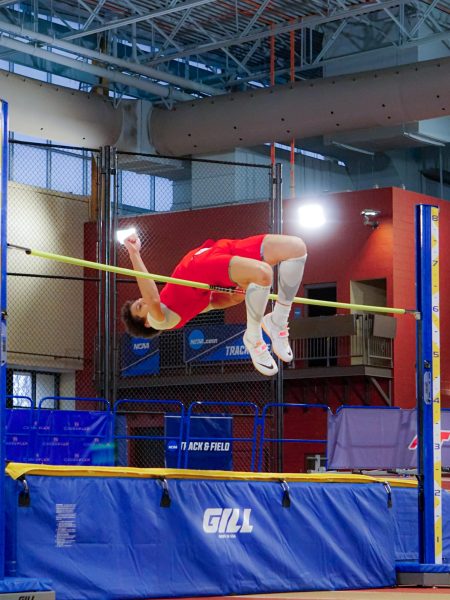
203	286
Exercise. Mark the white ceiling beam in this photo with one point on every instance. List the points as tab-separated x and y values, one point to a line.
113	76
110	60
94	13
283	28
139	18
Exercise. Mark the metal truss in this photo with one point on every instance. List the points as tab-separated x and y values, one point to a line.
177	49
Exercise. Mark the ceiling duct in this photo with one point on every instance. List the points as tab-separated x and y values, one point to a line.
52	112
304	109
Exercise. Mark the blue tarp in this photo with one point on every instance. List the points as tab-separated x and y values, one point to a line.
378	438
108	538
11	585
406	523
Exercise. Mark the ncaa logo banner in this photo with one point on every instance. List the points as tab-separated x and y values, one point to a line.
140	356
214	343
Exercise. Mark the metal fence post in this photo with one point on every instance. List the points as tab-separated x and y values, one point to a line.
277	228
105	241
3	241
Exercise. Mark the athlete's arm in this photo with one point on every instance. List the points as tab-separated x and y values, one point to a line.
147	287
221	300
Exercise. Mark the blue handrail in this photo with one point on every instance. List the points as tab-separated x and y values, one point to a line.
12	396
73	399
175	403
263	439
344	406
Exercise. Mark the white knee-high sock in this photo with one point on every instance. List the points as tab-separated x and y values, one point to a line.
290	275
256	298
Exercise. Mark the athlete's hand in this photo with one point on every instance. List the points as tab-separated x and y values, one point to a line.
133	244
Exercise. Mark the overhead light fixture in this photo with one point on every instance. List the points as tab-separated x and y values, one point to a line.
425	139
369	215
311	216
122	234
352	148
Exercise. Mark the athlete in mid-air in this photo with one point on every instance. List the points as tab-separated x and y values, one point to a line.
233	263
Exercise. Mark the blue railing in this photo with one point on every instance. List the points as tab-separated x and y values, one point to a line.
350	406
124	437
57	436
263	439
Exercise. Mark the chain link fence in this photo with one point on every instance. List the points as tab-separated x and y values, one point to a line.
49	203
65	335
203	365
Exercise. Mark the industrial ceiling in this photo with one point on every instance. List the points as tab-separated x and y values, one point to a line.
173	52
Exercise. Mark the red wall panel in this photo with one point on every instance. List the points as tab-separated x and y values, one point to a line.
343	250
404	203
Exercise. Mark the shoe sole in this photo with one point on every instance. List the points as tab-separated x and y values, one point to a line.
272	348
255	367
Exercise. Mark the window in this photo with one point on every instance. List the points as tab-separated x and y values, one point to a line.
57	168
22	389
141	192
163	194
315	463
67	171
25	386
21	159
136	190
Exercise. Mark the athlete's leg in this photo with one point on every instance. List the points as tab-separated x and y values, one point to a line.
289	253
277	248
256	278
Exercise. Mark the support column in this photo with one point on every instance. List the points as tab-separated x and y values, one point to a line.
11	588
429	571
3	301
277	227
428	385
105	252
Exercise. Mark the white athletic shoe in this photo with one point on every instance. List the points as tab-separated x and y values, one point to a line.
279	337
261	358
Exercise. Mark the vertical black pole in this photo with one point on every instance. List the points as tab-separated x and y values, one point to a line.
279	391
3	300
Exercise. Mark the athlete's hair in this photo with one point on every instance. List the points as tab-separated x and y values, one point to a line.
136	325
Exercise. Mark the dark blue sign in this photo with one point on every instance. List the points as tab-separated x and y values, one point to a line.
212	343
20	434
140	356
67	437
209	445
56	437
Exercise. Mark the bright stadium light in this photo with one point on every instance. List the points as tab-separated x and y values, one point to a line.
311	216
122	234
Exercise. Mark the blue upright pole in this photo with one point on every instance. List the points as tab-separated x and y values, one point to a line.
428	385
3	205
